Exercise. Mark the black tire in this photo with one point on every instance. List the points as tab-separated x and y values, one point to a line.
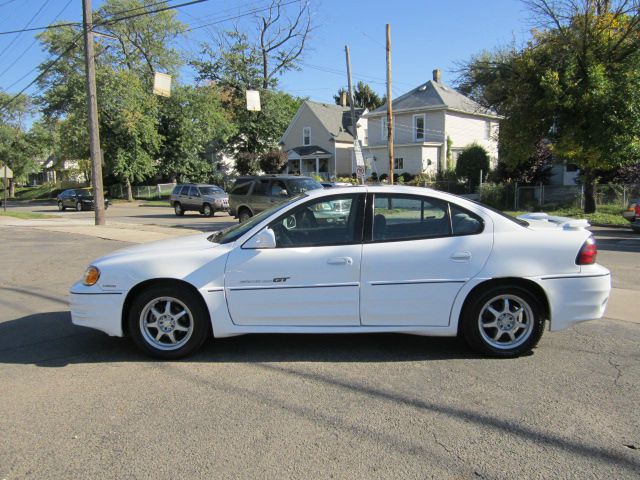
177	208
196	319
507	338
61	207
244	215
79	207
207	210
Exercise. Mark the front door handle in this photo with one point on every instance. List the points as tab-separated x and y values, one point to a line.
460	256
340	261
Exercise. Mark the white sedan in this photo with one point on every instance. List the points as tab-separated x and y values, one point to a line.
353	260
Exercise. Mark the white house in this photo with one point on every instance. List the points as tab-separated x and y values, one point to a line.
423	119
319	140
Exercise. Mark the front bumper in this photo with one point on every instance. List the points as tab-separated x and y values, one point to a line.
574	299
99	310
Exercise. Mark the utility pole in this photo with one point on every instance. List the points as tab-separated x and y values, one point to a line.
389	106
92	105
357	151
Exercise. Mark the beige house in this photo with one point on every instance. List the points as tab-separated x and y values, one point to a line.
422	120
319	140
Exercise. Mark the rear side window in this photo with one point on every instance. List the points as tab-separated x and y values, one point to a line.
463	222
406	217
241	189
184	190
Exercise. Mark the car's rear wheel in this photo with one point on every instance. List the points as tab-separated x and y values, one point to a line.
177	207
503	321
61	207
207	211
78	206
168	321
244	215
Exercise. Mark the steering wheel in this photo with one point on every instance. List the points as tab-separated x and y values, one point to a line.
290	222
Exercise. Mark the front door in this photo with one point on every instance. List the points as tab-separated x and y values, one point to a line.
312	278
421	253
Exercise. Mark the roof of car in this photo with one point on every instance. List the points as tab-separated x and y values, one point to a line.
282	176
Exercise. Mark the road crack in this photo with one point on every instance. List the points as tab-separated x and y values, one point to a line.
618	368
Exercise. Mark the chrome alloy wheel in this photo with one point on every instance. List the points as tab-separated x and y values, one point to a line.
166	323
506	321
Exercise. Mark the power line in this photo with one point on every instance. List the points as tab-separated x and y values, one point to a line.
27	25
6	3
19	57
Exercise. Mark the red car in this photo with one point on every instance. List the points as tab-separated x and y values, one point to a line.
632	213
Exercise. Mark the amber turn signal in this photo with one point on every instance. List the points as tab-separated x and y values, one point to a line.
91	276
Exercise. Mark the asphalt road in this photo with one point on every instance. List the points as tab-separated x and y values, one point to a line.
75	403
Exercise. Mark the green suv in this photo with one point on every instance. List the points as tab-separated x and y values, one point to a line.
251	195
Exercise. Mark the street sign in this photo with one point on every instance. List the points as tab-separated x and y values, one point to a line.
162	84
253	100
357	149
360	171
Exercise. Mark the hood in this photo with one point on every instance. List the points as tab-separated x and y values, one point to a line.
159	248
216	196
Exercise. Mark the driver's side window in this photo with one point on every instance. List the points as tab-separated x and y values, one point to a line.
335	220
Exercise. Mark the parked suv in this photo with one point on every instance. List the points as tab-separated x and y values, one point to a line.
251	195
206	199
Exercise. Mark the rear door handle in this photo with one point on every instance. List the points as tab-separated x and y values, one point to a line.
340	261
460	256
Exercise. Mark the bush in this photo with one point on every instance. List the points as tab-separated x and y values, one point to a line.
471	161
351	180
422	179
247	163
383	177
406	177
273	161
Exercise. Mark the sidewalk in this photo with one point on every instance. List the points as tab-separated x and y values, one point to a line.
123	232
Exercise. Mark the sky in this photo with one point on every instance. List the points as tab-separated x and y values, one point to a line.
425	35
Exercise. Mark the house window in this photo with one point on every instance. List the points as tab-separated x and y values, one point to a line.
418	128
306	136
398	163
487	130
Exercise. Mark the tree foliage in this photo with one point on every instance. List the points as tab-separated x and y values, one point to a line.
273	161
472	160
363	97
16	149
247	163
576	84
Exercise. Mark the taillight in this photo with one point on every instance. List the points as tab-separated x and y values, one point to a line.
588	252
637	209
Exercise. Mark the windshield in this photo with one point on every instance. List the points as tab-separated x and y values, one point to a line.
212	190
83	193
302	185
233	233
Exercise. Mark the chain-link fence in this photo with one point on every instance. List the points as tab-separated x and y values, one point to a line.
143	192
548	197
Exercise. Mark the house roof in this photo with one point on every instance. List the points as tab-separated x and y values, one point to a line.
310	150
336	119
433	95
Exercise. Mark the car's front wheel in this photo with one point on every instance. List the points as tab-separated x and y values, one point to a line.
207	211
79	206
168	322
503	321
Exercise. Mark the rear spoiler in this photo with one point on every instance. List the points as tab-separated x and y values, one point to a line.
562	222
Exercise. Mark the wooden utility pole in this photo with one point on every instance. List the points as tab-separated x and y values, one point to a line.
92	105
356	145
389	107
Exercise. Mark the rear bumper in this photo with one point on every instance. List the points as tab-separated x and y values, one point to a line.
102	311
578	298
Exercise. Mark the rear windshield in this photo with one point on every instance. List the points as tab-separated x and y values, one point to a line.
520	222
301	185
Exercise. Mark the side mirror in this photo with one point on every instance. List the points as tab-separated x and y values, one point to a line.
284	193
265	239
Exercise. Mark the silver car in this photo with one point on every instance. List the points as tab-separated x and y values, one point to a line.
206	199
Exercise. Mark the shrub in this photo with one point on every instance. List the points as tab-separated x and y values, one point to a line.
406	177
273	161
247	163
422	179
471	161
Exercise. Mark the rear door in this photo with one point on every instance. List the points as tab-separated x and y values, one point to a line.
419	254
260	199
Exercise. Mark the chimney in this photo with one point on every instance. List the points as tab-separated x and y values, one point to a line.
343	99
437	75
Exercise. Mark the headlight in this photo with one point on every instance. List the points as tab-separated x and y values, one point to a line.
91	276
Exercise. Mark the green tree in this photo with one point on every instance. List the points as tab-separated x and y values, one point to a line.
273	161
363	97
576	84
247	163
190	120
15	149
472	161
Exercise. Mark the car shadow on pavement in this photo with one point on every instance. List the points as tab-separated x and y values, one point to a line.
51	340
